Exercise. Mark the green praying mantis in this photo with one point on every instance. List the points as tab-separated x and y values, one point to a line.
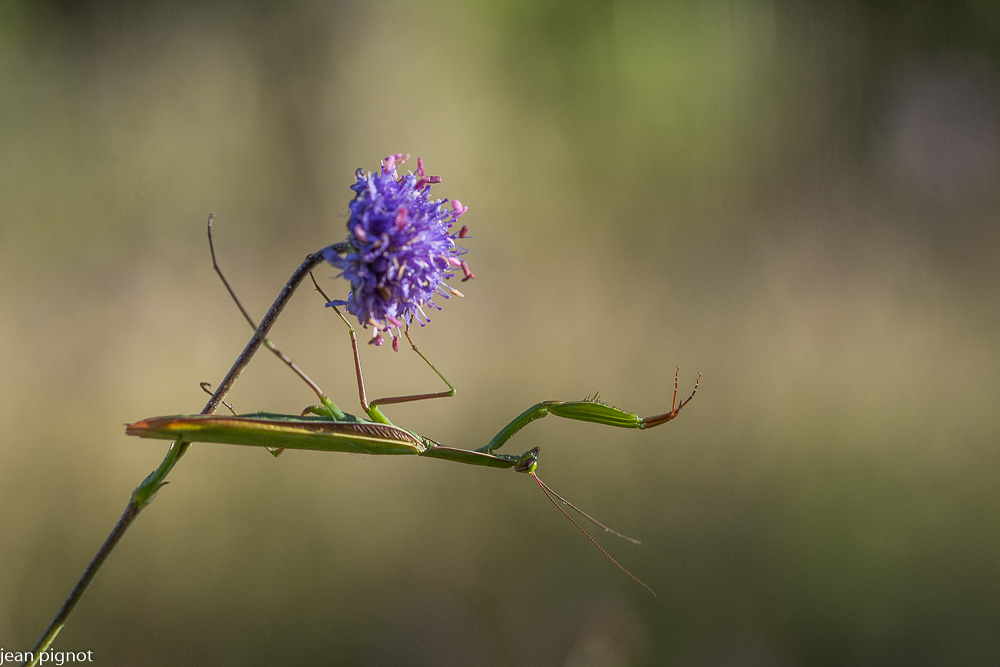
325	427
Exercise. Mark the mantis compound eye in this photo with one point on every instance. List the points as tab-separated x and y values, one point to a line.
528	461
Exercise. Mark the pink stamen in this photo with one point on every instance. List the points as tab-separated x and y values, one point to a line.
393	161
420	167
463	231
395	343
401	219
468	272
360	234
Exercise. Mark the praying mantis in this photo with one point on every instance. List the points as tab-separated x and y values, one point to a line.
325	427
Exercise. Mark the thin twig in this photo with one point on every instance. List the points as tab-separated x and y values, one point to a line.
145	492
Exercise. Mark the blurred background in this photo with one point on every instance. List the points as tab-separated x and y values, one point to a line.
798	200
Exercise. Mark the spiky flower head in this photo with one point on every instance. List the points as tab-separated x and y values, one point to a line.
400	249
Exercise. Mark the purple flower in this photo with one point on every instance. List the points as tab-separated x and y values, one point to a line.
401	249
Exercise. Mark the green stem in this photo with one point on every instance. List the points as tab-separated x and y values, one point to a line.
145	492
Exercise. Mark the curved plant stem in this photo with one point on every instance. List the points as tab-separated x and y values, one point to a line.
145	492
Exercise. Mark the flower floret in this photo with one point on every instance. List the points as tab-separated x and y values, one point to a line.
401	250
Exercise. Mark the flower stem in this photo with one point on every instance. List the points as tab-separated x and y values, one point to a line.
145	492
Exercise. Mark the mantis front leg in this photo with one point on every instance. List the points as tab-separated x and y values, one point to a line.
588	410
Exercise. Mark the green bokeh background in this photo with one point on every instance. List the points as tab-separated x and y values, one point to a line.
797	199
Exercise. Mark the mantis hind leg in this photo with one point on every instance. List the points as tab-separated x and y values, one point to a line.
273	451
328	405
589	410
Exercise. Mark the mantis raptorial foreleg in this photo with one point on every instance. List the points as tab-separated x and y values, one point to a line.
588	410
